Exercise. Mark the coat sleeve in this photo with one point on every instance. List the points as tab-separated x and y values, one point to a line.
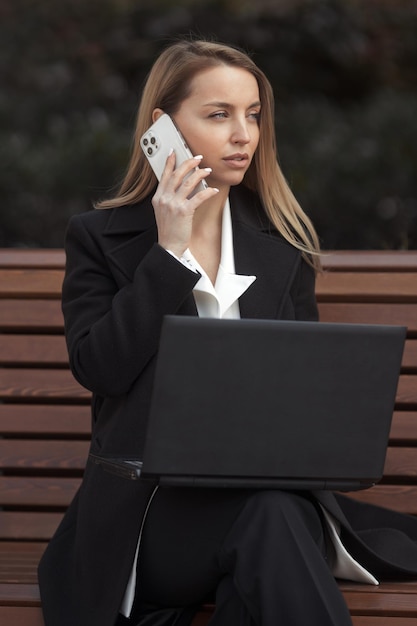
113	332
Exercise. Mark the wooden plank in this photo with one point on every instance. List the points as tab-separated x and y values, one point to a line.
31	283
38	316
410	354
22	454
407	391
19	594
37	492
33	350
21	616
367	287
401	498
392	586
360	313
368	260
33	257
28	525
404	428
400	464
45	419
19	561
392	604
41	385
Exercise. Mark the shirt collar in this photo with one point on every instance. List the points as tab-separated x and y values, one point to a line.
221	299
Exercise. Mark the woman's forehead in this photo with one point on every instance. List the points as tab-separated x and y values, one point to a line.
224	84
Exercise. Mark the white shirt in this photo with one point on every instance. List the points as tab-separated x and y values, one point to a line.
221	301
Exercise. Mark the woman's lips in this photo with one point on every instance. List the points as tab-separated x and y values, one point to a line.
237	161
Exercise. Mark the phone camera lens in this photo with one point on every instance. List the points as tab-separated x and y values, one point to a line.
150	150
153	140
145	142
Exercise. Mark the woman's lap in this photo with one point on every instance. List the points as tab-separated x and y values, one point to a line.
185	529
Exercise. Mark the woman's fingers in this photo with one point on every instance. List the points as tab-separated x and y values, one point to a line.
176	201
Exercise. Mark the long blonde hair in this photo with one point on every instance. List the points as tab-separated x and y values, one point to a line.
167	86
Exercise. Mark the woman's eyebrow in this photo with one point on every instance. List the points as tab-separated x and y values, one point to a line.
228	105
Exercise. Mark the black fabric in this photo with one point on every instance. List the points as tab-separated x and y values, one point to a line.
261	553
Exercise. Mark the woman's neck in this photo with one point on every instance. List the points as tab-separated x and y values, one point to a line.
205	243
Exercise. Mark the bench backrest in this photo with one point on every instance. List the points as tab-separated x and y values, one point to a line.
44	412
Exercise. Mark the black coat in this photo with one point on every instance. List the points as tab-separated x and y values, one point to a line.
118	286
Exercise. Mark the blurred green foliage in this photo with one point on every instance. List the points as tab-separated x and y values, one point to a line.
344	74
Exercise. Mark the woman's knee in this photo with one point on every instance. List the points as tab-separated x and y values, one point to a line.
286	509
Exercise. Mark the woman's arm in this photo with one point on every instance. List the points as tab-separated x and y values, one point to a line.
113	333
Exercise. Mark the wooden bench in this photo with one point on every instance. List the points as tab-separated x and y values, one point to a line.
45	420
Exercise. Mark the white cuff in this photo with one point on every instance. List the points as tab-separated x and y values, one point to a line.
186	262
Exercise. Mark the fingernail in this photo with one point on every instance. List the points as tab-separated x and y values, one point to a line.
215	189
199	157
170	151
208	169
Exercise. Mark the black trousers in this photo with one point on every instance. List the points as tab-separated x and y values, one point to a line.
260	554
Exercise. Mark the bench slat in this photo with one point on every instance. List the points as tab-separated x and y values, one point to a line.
28	525
369	260
34	350
359	313
401	498
23	454
23	594
53	258
407	391
404	428
37	492
366	287
28	283
410	354
21	615
40	316
396	605
41	384
401	464
43	419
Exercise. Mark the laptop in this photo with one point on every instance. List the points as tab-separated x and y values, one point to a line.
269	404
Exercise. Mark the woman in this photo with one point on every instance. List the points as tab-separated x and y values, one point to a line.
127	552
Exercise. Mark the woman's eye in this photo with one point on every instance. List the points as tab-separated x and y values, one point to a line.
219	115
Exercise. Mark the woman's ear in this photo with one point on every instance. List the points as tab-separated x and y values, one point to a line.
156	114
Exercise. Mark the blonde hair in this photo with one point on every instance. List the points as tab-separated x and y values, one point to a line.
167	86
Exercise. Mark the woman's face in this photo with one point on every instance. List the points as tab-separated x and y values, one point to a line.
220	120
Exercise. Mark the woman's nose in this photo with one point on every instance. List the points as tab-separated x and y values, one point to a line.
241	133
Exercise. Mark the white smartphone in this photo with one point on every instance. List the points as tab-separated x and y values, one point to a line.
157	142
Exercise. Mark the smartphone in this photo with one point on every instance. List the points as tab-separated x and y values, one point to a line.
157	142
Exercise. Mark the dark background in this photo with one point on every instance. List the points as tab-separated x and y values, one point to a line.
345	79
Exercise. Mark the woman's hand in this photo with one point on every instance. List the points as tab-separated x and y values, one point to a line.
174	210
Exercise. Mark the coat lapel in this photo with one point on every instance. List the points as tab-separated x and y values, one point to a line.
130	233
261	251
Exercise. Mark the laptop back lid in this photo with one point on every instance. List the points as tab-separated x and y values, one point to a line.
276	404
